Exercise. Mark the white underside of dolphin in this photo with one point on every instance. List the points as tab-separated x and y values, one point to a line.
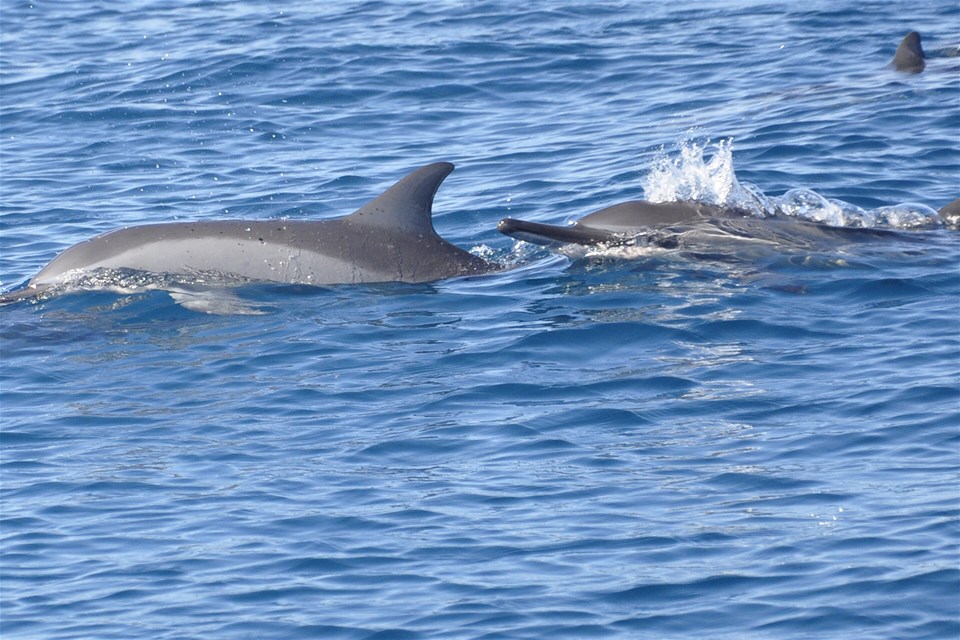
390	239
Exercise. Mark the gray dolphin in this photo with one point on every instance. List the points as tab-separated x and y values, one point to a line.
390	239
909	57
612	225
666	223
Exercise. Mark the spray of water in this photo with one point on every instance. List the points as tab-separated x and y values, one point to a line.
703	172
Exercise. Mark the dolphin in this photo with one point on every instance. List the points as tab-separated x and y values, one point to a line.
613	225
909	57
390	239
665	223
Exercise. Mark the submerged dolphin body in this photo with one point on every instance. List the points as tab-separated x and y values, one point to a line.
667	224
390	239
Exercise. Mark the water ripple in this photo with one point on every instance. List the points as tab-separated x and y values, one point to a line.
757	443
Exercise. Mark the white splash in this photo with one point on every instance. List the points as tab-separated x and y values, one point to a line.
692	176
704	172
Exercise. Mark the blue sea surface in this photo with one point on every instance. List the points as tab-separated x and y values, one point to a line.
668	444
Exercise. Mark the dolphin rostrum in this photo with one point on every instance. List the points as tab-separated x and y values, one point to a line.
390	239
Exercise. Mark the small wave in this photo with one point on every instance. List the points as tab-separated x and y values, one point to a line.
201	291
636	248
129	281
704	172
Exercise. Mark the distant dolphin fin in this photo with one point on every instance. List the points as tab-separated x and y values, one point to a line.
909	56
407	205
950	213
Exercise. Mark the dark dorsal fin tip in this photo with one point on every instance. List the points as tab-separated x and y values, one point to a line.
408	204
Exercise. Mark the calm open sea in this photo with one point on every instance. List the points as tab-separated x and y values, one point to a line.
649	446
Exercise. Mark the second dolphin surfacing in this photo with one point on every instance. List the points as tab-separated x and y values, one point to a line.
610	226
621	224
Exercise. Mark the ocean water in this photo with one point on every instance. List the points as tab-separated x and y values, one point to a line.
663	444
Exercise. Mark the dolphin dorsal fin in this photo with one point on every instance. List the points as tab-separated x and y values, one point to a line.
909	56
407	205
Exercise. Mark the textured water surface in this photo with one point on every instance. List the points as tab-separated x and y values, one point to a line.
756	442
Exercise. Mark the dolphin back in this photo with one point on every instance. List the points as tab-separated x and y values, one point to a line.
403	217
